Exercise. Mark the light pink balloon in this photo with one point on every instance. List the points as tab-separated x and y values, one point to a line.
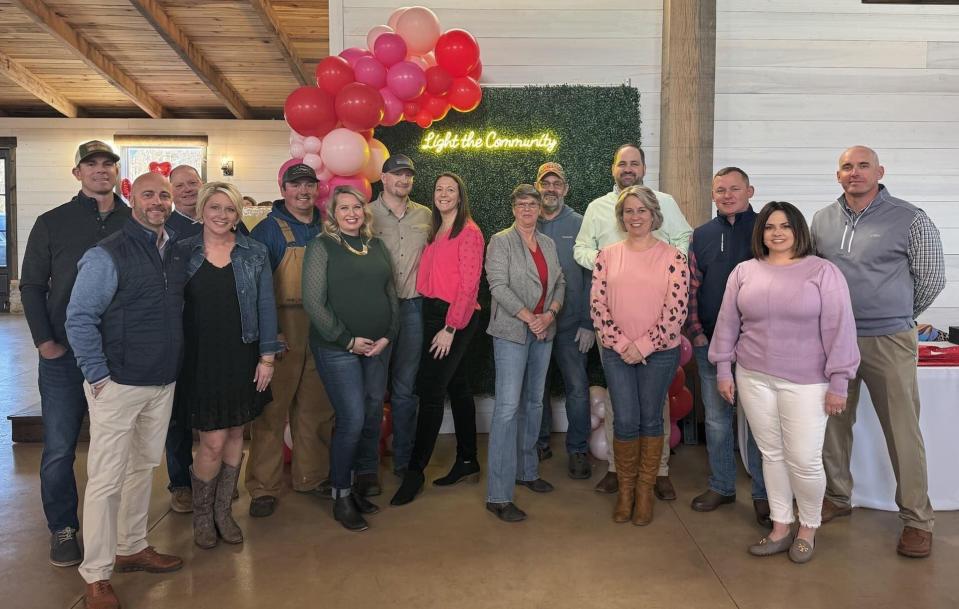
395	16
378	156
418	61
406	80
344	152
353	53
375	32
324	175
389	49
295	138
420	28
312	145
594	421
297	150
283	168
356	181
370	71
430	58
313	160
598	445
393	107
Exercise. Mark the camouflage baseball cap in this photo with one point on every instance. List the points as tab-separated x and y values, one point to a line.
88	149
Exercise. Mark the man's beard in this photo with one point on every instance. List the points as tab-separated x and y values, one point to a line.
552	207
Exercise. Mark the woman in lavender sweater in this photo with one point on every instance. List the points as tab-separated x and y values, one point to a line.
787	322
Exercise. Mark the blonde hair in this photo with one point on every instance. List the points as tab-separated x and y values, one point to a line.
647	198
332	227
211	188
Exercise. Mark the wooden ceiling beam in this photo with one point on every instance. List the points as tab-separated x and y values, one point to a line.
13	70
93	57
192	57
272	22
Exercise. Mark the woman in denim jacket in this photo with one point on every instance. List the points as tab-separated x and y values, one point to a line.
230	338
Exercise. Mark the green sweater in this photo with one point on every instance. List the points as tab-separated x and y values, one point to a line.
347	295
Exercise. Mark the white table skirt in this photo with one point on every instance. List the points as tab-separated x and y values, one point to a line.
874	481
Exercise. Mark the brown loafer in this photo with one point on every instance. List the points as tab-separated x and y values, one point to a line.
609	485
664	489
100	595
830	510
915	543
710	500
148	560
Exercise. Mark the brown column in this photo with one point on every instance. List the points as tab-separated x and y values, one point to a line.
688	87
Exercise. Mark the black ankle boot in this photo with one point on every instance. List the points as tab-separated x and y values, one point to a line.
462	470
345	512
364	505
412	485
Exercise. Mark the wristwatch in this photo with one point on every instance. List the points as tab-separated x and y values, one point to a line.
450	329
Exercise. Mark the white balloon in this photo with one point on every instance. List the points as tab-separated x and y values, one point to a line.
312	145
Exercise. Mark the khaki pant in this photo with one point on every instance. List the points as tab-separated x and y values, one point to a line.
889	370
667	427
128	427
298	394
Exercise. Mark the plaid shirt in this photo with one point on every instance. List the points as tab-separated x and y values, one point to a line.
693	327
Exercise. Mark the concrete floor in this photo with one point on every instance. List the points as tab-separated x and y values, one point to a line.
446	551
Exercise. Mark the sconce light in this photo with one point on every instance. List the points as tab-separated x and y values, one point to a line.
227	167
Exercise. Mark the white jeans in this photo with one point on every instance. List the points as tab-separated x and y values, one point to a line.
788	421
128	427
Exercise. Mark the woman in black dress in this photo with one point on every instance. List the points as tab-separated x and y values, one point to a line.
229	326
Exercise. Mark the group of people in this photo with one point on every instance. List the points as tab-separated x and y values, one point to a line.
168	316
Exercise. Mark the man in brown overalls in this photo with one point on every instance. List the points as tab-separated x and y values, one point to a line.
298	394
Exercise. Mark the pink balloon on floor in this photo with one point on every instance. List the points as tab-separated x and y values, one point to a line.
598	446
594	421
597	401
685	351
675	435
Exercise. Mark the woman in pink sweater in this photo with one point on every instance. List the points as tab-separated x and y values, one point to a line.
448	278
638	304
787	322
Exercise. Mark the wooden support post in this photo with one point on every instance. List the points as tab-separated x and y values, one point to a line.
687	105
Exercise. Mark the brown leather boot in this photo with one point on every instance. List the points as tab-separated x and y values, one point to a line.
650	450
626	453
226	480
100	595
204	530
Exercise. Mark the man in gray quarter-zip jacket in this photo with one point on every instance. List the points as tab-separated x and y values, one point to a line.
891	256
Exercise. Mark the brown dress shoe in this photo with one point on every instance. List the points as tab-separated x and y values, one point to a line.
608	485
148	560
915	543
664	489
830	510
100	595
710	500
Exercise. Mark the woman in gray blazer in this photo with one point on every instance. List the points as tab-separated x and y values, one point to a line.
528	287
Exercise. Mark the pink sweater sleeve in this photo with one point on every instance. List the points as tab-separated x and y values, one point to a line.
610	335
665	332
470	263
837	327
722	348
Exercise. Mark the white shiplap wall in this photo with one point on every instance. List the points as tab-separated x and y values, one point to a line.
797	81
539	42
46	147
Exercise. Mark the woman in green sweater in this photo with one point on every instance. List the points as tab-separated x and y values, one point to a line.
349	294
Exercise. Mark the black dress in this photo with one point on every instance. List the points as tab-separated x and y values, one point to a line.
215	389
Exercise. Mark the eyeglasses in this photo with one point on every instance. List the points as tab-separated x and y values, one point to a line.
526	205
557	184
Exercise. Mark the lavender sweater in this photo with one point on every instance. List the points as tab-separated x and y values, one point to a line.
793	322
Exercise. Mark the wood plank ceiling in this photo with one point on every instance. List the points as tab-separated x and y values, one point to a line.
157	58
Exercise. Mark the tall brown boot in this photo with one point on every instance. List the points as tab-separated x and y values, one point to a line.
626	454
650	450
204	531
226	481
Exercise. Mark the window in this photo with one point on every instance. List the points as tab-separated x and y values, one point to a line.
142	153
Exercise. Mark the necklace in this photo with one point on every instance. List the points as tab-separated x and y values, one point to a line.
352	250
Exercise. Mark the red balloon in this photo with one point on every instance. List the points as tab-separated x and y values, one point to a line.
457	52
679	382
477	70
680	405
367	134
309	111
359	106
126	187
438	80
465	94
334	73
424	119
438	107
410	110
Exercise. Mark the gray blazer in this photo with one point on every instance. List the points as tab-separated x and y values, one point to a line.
514	282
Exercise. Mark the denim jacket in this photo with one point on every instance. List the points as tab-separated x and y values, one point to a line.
254	287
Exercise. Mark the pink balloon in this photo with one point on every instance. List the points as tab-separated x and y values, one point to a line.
375	32
370	71
594	421
283	168
406	80
344	152
297	150
418	61
685	351
597	401
295	138
430	59
353	53
675	435
378	156
393	108
312	145
324	175
598	445
420	28
356	181
389	49
313	160
395	16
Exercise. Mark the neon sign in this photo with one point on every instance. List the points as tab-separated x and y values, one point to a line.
439	143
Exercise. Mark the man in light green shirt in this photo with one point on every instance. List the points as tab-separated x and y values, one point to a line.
599	230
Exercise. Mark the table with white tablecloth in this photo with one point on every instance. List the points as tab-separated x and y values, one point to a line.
874	482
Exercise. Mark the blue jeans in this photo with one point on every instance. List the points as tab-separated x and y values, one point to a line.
720	435
572	366
355	384
407	351
62	406
638	392
517	413
179	451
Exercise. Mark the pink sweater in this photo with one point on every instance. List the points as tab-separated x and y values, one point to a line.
639	297
793	322
450	270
